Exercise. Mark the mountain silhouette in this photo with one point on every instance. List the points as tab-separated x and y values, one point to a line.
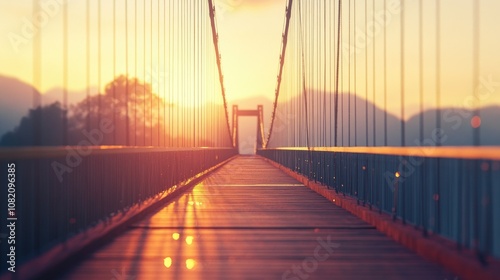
456	127
455	124
16	100
351	127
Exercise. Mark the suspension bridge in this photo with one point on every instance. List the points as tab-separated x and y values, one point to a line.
362	168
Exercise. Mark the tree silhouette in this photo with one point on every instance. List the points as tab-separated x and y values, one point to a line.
130	105
47	120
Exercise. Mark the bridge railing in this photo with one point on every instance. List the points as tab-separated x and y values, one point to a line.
448	191
60	192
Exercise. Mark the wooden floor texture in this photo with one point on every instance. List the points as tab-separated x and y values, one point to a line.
249	220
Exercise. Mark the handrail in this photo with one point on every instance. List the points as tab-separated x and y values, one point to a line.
45	152
458	152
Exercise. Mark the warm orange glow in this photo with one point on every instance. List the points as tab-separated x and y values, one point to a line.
189	240
475	122
249	62
167	262
397	174
190	263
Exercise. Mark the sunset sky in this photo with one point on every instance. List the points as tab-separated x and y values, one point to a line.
250	35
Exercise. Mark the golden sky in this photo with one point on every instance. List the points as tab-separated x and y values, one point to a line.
250	35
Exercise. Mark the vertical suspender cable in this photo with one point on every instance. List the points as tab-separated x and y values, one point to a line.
170	74
438	113
475	72
421	68
310	68
195	76
402	83
336	103
318	78
151	69
385	76
324	74
87	57
37	124
479	194
184	72
165	73
187	55
373	77
199	80
421	87
349	79
355	82
127	123
304	89
37	80
114	71
366	73
144	111
341	73
178	82
99	66
65	74
330	135
158	71
438	66
135	73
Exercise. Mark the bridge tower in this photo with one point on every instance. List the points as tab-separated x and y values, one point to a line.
259	113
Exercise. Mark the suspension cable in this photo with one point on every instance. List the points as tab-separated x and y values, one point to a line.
282	62
215	37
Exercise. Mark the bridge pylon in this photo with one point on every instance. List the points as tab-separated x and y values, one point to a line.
259	113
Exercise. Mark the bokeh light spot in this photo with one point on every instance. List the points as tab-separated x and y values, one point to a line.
190	263
175	236
167	262
475	122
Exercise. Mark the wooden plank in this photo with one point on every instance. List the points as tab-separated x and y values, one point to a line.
251	221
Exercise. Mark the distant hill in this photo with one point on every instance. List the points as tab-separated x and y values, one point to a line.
455	123
356	121
456	126
16	100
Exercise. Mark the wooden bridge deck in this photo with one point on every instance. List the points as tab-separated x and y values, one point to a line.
249	220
